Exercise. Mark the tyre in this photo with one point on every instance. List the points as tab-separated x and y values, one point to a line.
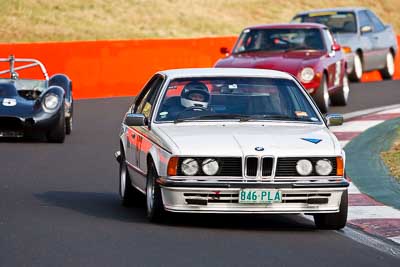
357	71
341	96
68	125
333	221
154	204
321	97
127	193
388	71
57	135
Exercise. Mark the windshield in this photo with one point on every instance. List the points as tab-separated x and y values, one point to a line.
337	22
279	39
26	84
235	98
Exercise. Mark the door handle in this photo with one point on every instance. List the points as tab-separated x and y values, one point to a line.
133	135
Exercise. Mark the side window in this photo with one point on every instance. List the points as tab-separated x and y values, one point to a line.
376	22
364	19
149	98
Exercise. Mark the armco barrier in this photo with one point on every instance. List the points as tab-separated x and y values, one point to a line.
120	68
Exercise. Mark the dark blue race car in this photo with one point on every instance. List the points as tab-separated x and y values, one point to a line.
31	107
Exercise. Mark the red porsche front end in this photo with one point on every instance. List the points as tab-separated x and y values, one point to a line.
306	50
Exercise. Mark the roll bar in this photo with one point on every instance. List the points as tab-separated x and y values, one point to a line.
30	63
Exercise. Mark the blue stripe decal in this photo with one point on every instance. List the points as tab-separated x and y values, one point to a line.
312	140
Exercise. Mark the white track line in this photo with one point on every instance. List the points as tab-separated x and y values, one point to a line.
390	111
353	189
356	126
372	212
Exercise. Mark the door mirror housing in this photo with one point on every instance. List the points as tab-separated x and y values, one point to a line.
336	47
134	119
365	29
224	50
334	119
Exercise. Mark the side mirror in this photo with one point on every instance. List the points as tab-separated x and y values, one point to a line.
365	29
133	119
334	119
336	47
224	50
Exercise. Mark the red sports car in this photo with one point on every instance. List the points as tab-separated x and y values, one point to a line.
306	50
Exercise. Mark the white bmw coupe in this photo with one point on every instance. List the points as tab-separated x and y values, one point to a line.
232	141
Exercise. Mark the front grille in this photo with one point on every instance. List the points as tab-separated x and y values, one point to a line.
251	166
10	124
287	166
267	165
229	167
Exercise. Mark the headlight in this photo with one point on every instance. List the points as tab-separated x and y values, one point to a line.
50	101
307	74
304	167
323	167
190	167
210	166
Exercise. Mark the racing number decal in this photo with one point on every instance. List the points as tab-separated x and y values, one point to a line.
337	73
9	102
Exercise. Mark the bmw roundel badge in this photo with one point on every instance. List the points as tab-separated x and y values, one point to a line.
259	148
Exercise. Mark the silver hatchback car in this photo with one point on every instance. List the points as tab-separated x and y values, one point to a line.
369	44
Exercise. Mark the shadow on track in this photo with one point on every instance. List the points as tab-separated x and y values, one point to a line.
107	205
102	205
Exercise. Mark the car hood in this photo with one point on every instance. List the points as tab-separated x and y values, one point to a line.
240	139
290	62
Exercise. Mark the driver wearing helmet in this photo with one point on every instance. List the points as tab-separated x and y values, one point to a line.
194	97
195	94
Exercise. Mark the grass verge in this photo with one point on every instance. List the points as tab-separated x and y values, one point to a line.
66	20
392	157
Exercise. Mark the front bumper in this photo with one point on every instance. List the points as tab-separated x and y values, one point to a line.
223	197
19	126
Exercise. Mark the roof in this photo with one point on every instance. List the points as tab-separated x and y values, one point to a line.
225	72
288	25
337	9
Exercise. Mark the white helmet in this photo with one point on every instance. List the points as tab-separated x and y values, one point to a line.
195	94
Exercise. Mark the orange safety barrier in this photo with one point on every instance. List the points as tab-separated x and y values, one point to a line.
120	68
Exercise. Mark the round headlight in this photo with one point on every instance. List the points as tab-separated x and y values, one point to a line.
307	74
323	167
190	167
210	166
50	101
304	167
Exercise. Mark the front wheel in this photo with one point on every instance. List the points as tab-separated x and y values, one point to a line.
57	134
357	71
341	96
68	125
321	97
388	71
155	208
333	221
127	192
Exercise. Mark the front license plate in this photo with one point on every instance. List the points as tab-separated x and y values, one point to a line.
259	196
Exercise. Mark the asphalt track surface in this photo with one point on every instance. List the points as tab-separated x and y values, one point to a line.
59	207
